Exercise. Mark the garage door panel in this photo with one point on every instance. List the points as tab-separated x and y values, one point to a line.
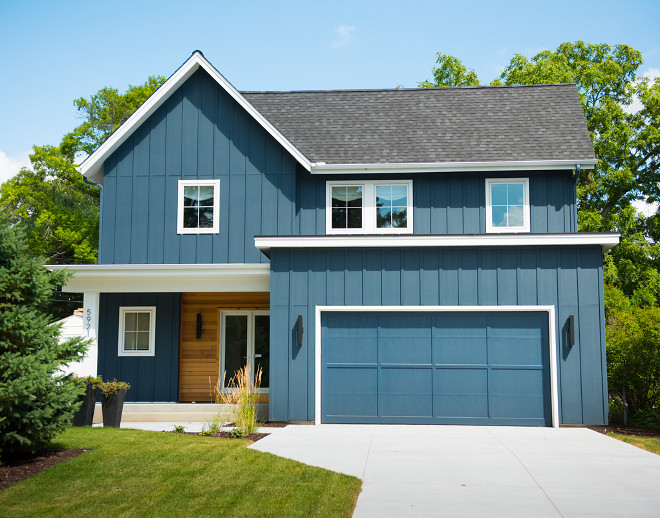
516	393
352	341
460	393
405	350
351	391
460	350
406	392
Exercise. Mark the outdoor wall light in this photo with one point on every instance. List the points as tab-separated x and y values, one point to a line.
571	330
299	330
198	331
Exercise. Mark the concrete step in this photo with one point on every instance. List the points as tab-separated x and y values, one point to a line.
175	412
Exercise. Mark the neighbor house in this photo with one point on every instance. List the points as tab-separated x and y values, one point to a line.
385	256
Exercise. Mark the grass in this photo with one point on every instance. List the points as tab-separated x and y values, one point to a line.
651	444
138	473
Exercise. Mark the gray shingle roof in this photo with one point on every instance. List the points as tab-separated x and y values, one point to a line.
472	124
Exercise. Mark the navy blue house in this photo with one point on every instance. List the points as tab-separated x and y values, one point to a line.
384	256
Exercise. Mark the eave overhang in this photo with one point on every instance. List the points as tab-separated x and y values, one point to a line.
165	278
604	240
454	167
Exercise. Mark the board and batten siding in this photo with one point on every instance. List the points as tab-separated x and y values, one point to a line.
201	133
570	278
451	203
152	378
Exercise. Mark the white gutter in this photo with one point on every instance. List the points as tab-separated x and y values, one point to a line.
452	167
604	240
150	278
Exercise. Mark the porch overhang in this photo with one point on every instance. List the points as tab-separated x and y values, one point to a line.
164	278
602	239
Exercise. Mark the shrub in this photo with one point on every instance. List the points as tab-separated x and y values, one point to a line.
110	388
36	400
633	352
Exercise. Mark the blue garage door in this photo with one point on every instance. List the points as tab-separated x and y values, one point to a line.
444	368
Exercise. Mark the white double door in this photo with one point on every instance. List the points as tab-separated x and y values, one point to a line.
245	339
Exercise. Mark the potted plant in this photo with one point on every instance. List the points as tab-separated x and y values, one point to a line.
112	401
84	416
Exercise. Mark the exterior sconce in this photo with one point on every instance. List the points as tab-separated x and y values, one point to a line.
299	330
571	330
198	331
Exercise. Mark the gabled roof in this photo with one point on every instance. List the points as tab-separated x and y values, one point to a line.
92	167
412	130
432	125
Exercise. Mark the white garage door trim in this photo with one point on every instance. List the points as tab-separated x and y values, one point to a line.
552	340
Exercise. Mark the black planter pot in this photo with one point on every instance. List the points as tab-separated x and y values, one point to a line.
112	407
85	414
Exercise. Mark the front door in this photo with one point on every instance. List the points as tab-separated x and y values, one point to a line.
245	337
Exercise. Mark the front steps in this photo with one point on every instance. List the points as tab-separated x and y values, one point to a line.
175	412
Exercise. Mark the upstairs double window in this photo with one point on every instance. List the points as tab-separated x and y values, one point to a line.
369	207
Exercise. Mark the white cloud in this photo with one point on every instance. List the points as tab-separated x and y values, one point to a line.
636	105
10	165
344	36
647	209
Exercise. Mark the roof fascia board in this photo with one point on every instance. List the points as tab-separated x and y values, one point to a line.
136	278
451	167
605	240
92	166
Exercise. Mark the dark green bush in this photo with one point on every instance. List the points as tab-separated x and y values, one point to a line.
36	400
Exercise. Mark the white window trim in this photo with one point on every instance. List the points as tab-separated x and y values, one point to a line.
216	207
552	341
368	208
152	330
489	207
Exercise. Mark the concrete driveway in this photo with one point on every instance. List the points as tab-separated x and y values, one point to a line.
480	471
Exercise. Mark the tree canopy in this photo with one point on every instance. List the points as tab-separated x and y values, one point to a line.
451	72
56	209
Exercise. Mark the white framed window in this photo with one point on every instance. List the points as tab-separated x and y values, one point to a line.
198	207
137	331
369	207
507	205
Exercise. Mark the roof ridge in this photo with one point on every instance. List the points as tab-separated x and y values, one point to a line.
436	88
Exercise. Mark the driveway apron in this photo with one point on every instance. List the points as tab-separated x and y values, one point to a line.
479	471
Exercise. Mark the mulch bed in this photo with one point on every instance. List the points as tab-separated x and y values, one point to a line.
227	435
627	430
20	469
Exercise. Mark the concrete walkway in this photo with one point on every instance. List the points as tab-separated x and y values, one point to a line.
480	471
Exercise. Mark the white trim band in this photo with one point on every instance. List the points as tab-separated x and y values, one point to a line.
605	240
453	167
160	278
552	341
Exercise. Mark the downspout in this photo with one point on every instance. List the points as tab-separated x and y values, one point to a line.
94	184
576	177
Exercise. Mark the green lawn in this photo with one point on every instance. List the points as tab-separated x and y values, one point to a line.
138	473
647	443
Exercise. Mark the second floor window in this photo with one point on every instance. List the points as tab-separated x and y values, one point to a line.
198	207
369	207
507	205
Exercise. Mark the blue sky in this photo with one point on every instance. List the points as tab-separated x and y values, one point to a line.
53	52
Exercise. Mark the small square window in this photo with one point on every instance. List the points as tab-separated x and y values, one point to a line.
137	327
198	207
346	206
507	205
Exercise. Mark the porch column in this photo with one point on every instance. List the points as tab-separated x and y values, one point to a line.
91	327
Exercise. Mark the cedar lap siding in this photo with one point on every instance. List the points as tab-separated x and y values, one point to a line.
273	154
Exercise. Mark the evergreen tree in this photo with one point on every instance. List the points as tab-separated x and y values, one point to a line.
36	400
